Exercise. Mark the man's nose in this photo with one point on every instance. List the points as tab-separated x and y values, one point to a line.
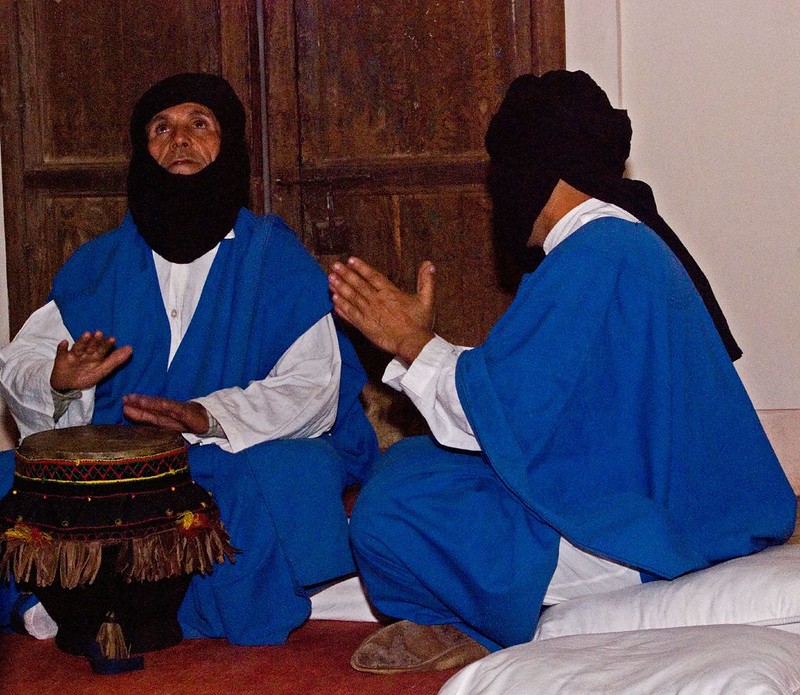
180	137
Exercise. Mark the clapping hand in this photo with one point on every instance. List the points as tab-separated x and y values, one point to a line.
396	321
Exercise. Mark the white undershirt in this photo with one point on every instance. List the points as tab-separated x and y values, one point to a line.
297	399
181	286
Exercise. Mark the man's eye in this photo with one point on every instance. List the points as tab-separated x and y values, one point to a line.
200	123
160	128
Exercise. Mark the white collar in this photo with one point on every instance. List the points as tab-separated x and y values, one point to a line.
580	215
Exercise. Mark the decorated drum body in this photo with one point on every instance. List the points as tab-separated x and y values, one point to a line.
108	504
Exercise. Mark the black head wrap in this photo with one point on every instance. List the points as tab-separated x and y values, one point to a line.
182	216
562	126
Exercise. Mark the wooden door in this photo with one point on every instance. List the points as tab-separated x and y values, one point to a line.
376	114
70	73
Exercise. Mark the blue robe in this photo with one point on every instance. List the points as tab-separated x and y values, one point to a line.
281	501
608	412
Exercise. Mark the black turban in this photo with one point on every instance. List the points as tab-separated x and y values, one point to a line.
182	216
562	126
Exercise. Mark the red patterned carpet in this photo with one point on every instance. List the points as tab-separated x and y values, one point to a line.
314	660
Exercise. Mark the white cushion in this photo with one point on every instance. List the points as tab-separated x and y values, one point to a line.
760	589
705	660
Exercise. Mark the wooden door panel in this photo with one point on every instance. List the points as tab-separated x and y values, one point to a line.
449	228
372	76
376	142
70	221
392	94
354	222
75	220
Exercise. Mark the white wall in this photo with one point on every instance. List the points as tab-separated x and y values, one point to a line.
593	43
713	92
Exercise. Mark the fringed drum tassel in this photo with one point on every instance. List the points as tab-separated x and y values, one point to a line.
218	545
17	561
150	559
29	551
79	562
111	639
206	542
195	544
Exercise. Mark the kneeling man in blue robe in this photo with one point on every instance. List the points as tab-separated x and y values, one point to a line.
598	438
199	316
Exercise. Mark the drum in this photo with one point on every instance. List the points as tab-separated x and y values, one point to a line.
105	524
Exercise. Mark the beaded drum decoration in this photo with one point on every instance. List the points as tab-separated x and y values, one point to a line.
79	490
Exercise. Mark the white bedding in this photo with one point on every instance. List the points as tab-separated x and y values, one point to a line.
700	660
761	589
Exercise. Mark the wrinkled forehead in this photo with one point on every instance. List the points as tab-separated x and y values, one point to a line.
211	91
184	110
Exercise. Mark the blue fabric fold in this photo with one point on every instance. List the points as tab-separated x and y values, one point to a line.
605	400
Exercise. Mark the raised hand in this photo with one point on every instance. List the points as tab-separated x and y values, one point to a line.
396	321
179	416
92	357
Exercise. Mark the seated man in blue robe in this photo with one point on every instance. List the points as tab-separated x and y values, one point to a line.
598	438
201	317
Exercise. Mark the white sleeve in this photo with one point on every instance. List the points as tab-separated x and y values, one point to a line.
297	399
430	383
25	367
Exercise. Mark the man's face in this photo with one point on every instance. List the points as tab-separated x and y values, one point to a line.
184	138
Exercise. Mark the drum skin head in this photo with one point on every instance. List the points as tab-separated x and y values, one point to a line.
99	442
